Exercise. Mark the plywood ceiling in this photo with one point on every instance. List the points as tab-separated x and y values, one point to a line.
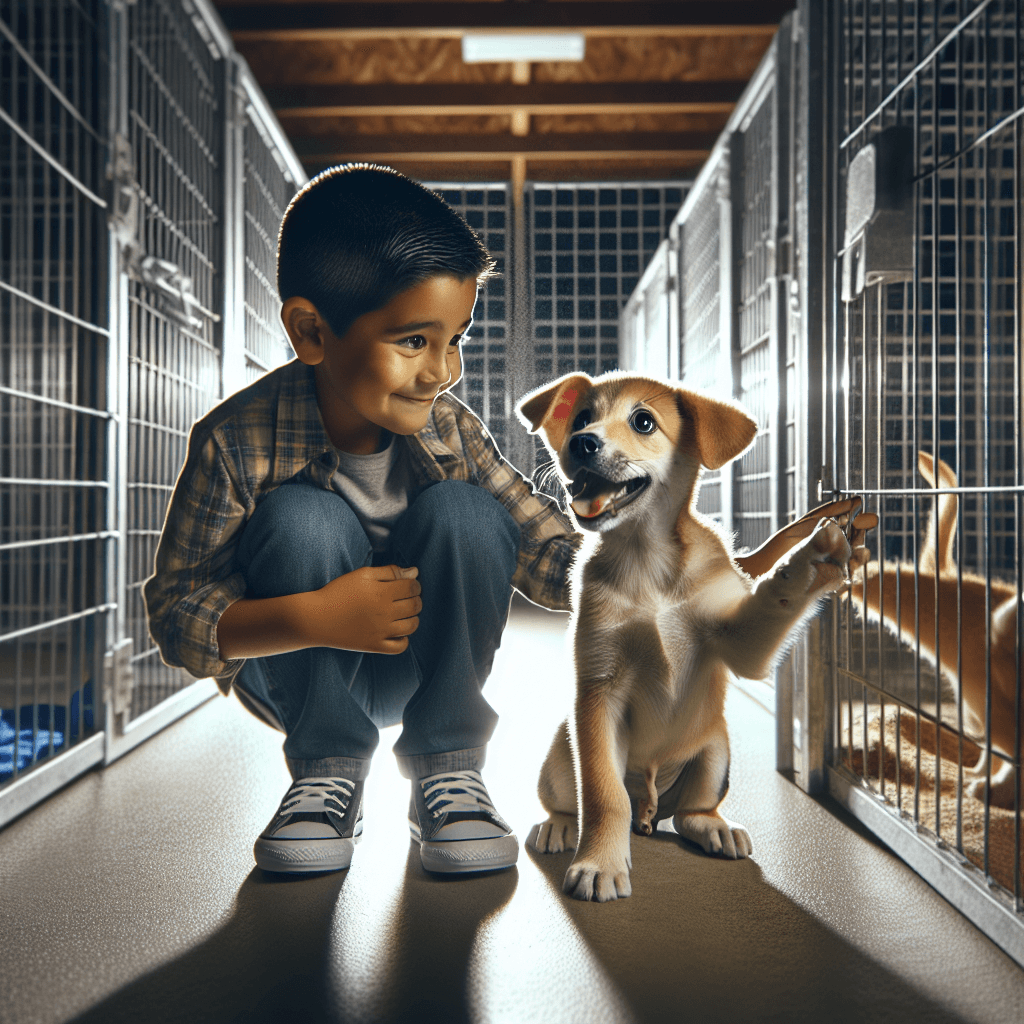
385	82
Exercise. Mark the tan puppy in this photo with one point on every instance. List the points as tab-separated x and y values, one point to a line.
936	608
662	617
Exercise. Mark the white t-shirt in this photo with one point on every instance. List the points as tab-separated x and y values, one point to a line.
376	486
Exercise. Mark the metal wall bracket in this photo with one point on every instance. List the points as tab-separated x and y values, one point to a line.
879	239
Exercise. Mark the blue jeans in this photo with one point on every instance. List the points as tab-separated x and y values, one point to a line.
330	703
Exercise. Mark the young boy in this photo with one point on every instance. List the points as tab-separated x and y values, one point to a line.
342	541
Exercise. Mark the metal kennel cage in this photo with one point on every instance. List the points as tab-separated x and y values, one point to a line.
849	267
142	179
717	309
923	285
56	405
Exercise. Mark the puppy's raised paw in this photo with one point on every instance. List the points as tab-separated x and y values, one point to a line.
715	834
556	835
599	882
831	557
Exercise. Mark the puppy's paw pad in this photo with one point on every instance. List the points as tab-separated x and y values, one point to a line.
716	835
556	835
587	880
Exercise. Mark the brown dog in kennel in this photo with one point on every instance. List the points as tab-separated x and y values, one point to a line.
963	652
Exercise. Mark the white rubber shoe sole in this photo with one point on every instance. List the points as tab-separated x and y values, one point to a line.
464	855
298	856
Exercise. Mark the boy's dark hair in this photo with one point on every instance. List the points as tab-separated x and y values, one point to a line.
359	234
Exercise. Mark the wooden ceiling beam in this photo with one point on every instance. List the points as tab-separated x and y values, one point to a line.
320	20
503	98
567	145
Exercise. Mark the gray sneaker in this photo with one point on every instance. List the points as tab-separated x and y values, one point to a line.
315	828
452	818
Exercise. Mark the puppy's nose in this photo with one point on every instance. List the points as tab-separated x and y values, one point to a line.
583	446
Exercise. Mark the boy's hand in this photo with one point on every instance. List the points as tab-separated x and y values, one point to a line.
374	609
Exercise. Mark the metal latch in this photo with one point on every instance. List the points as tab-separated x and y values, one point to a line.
174	289
124	200
118	676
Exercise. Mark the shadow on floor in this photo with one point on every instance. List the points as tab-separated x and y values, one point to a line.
277	957
709	940
701	939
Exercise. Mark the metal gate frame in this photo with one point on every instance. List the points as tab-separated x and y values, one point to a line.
997	913
736	330
245	117
246	120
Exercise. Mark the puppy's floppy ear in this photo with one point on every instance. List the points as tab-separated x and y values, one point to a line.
549	408
722	429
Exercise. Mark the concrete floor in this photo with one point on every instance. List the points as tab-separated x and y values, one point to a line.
132	896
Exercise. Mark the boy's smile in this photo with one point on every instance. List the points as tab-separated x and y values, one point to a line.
388	368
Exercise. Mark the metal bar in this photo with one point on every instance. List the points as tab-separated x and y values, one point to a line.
16	545
85	410
53	309
40	626
865	121
25	481
46	80
51	161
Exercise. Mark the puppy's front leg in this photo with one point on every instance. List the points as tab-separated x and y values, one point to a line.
600	869
760	625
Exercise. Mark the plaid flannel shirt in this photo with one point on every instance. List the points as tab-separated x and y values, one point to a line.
265	434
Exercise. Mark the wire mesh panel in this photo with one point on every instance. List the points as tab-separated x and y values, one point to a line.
589	245
754	515
703	355
486	386
176	135
644	342
928	422
268	188
54	490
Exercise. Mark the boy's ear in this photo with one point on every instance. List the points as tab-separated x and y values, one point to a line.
722	430
305	328
550	407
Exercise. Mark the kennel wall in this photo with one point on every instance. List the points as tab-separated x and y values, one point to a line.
57	407
848	267
717	309
922	277
143	180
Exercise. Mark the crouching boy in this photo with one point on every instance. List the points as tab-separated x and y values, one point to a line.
342	541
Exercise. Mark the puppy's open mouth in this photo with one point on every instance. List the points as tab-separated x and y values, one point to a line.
594	495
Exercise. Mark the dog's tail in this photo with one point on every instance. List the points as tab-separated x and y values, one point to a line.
937	548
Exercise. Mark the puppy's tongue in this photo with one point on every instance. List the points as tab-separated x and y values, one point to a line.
592	495
589	509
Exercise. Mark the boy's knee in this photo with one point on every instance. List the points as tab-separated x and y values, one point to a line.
469	515
300	530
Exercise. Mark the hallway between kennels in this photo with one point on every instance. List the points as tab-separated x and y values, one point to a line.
765	245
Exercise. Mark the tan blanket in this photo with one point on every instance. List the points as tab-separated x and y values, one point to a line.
972	822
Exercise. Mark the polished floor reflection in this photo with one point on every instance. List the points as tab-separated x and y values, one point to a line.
132	896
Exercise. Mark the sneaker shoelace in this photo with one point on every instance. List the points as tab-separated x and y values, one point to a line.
456	791
312	796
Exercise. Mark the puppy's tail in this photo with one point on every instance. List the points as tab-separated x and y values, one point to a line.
936	555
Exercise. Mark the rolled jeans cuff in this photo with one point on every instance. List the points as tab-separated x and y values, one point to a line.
355	769
419	766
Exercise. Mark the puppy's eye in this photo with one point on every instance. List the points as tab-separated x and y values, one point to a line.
582	419
642	422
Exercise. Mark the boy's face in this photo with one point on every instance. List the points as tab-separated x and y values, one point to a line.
390	365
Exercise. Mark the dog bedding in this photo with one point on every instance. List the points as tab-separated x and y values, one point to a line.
882	749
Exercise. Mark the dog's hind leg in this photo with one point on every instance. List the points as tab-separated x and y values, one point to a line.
557	792
702	786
